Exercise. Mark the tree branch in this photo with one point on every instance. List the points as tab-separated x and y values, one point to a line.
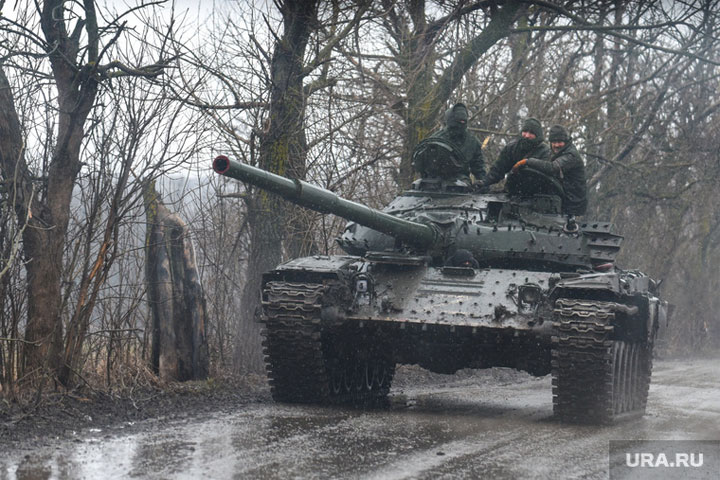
497	28
613	32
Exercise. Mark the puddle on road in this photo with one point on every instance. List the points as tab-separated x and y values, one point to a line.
463	432
86	458
272	441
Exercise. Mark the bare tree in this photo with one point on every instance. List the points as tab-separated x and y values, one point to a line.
287	75
71	47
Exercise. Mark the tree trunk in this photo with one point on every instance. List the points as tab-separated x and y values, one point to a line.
42	241
177	303
282	151
47	214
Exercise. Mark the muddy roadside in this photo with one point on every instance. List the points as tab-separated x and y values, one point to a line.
52	417
60	417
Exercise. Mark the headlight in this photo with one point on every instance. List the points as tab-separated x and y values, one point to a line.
530	294
363	283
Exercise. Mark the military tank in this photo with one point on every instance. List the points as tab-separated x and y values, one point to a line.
533	290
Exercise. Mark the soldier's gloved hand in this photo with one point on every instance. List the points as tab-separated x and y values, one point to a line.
519	165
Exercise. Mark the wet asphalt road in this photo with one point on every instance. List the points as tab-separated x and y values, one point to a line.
495	425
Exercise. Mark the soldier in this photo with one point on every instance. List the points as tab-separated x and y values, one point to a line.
565	164
528	145
464	143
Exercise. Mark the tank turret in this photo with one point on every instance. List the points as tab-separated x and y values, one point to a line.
436	218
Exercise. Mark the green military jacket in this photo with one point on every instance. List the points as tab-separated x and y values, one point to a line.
567	165
512	153
471	149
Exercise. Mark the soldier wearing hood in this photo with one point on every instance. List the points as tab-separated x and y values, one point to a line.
455	132
528	145
567	165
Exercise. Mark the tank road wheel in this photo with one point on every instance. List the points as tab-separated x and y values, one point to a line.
596	379
367	377
337	378
349	378
631	377
360	381
383	372
301	365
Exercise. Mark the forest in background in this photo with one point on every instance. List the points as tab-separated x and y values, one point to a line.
98	100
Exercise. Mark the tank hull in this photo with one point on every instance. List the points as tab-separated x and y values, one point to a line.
367	316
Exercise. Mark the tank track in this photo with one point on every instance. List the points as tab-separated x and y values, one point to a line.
308	364
597	378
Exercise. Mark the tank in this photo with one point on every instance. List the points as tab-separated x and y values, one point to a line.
448	279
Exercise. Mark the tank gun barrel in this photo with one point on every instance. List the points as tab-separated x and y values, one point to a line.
324	201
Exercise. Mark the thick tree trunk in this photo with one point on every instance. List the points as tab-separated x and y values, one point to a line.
47	213
177	303
282	151
43	334
43	240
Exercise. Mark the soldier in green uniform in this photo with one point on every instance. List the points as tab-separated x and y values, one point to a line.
528	145
465	150
566	165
